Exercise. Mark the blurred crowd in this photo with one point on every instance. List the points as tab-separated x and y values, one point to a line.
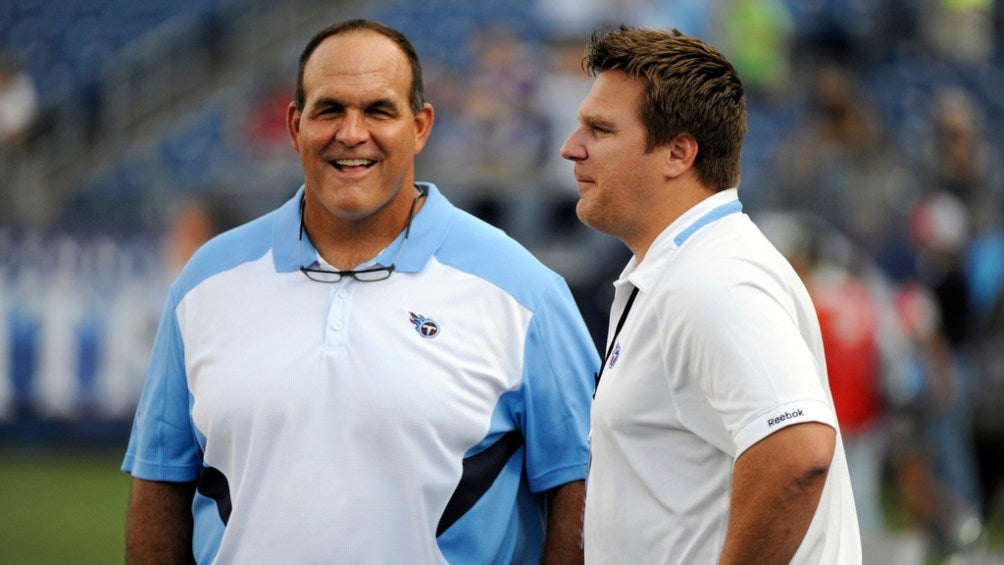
873	160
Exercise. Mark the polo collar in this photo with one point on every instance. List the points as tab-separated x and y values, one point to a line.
428	231
706	212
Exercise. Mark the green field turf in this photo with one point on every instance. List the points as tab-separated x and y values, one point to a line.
62	506
67	506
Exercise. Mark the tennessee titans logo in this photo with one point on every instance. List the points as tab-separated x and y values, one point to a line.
424	326
614	355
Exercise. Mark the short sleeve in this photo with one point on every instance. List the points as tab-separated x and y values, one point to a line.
163	445
752	359
559	363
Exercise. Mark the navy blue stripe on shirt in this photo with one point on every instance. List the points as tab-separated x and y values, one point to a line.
213	484
480	471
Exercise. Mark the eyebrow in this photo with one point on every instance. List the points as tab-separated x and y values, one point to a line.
378	104
597	122
325	103
383	104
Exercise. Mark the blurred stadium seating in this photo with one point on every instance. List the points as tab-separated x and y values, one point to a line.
146	102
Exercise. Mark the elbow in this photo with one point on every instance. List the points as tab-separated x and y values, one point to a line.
812	468
797	458
812	478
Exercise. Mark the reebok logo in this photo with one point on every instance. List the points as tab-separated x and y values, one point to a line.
784	417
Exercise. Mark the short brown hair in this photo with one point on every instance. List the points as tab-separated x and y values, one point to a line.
690	88
416	97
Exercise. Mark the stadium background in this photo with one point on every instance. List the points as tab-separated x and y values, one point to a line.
147	106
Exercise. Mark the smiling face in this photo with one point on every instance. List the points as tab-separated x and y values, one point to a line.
618	177
356	135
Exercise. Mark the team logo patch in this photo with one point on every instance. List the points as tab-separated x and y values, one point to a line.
614	356
424	326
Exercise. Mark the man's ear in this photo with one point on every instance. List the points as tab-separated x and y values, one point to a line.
680	153
423	126
293	125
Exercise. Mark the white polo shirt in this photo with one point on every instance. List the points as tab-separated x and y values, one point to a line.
409	420
720	349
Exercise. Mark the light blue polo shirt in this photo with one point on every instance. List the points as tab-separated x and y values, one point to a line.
410	420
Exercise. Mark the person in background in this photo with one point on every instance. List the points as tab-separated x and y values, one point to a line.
19	108
366	374
194	220
18	103
923	434
839	162
937	309
714	436
869	356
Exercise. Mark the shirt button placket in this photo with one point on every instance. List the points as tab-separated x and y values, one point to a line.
338	315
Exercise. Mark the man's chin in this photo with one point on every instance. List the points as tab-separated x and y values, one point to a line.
595	219
348	203
586	215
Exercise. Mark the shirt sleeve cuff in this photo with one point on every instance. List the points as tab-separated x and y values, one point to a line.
782	416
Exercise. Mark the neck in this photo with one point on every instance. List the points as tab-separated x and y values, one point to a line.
345	243
350	247
664	213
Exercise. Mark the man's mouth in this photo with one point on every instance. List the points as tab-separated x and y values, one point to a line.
342	164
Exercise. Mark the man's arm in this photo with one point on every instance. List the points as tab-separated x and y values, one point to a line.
776	488
564	525
159	522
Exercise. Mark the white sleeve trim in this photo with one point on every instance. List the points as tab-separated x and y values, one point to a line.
782	416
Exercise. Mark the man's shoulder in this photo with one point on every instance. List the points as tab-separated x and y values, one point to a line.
483	250
715	270
226	251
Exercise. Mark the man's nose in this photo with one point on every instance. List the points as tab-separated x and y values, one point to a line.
352	130
572	149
